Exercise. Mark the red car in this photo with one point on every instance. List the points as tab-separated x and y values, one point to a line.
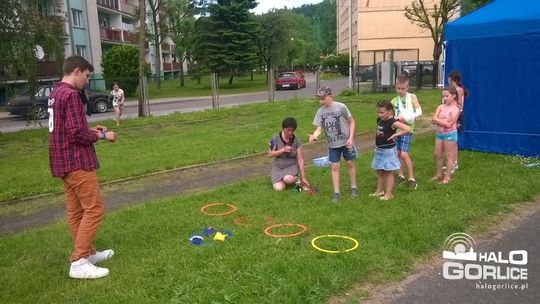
290	80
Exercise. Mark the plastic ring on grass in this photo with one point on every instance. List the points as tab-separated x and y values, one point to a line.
267	230
233	209
356	244
240	221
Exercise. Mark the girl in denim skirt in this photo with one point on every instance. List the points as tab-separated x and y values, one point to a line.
385	159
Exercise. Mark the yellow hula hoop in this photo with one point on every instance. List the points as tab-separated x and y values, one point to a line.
356	244
233	209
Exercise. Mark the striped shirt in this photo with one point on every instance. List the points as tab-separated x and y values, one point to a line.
71	142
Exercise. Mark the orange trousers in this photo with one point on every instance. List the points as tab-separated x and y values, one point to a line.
84	210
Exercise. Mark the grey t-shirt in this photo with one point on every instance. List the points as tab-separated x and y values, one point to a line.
334	121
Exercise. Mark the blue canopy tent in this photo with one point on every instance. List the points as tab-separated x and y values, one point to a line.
497	50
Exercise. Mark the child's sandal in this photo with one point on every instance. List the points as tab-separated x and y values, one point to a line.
376	194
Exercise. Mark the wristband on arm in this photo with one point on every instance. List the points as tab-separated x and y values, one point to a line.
103	135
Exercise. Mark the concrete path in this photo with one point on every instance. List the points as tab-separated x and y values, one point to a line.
518	231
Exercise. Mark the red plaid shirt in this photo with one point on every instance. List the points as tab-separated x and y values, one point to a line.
71	142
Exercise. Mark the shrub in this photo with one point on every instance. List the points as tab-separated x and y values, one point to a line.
347	92
341	62
121	64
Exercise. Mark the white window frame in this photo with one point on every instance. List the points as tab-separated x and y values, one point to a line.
76	17
80	50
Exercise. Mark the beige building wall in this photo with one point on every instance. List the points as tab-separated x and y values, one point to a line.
381	25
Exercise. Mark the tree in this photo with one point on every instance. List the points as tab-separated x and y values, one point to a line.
142	61
275	38
159	28
472	5
226	39
121	64
181	23
26	30
304	49
433	19
287	39
322	17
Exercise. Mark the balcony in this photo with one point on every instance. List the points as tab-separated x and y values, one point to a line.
47	69
129	37
44	70
112	4
172	66
107	33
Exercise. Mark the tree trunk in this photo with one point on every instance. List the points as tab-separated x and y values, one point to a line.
157	45
437	51
231	79
142	62
435	73
182	73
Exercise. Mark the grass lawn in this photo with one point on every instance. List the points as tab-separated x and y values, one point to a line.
241	84
154	262
165	142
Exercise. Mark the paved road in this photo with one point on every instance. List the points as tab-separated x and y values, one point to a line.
10	123
519	231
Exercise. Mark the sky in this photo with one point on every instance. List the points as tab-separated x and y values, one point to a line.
265	5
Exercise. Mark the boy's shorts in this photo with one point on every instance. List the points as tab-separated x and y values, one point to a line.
403	142
334	154
449	136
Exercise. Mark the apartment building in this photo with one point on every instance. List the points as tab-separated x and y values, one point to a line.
93	27
375	27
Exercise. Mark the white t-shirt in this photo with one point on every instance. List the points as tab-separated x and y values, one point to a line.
117	97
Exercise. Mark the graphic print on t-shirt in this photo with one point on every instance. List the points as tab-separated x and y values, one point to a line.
332	126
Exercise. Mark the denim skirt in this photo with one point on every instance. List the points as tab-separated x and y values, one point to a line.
385	159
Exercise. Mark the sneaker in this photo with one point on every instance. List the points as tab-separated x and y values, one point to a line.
412	184
335	197
83	269
100	256
354	192
400	179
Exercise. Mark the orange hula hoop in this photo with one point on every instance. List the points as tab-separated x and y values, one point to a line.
267	230
232	210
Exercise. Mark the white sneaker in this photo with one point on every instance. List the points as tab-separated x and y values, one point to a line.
83	269
100	256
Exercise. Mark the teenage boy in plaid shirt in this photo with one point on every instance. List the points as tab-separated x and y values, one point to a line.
72	158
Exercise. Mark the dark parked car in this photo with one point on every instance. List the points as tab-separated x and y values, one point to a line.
365	74
410	68
290	80
22	104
